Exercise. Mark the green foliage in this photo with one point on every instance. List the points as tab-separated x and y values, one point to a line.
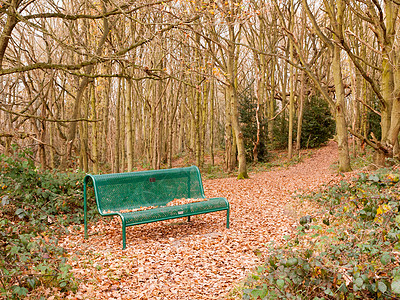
318	123
211	172
317	128
247	111
374	120
30	259
35	207
348	251
280	133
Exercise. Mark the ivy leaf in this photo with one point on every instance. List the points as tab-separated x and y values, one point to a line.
261	293
280	283
359	282
328	291
386	259
382	287
5	200
398	219
20	291
396	285
32	282
20	212
374	178
363	177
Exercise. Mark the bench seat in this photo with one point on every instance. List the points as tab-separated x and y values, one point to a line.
172	212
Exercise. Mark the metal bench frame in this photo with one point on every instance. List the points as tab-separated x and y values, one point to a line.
117	192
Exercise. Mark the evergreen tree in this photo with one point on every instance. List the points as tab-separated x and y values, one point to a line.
318	123
248	122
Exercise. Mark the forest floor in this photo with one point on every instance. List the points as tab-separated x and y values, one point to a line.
201	259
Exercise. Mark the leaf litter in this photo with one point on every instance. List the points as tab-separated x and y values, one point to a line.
174	202
200	259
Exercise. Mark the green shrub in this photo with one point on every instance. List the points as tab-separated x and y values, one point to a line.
247	112
347	251
318	124
36	206
373	119
280	132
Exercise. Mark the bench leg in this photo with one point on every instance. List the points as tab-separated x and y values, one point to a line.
227	218
123	236
188	218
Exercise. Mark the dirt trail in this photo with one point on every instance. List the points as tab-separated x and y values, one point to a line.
201	259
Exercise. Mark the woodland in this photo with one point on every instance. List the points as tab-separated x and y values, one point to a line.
112	86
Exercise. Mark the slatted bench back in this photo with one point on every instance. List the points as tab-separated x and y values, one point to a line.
116	192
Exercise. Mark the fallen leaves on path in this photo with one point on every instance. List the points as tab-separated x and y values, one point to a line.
200	259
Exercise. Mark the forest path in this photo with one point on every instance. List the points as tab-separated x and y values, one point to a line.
201	259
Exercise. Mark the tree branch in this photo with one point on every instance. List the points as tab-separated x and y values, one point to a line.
369	107
117	11
364	74
373	144
282	110
316	27
47	119
93	61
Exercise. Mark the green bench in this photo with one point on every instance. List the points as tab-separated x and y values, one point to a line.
127	194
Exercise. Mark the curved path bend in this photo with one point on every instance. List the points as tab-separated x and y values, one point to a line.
201	259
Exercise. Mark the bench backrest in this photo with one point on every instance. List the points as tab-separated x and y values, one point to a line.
116	192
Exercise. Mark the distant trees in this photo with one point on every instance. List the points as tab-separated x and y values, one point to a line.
105	85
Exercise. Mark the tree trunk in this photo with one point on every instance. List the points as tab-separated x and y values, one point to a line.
51	143
391	11
105	140
301	111
229	161
257	92
192	107
341	126
123	125
42	138
95	154
83	134
284	98
392	139
242	172
182	121
7	29
128	126
212	121
171	125
393	135
271	101
52	127
340	114
197	126
117	161
291	82
356	108
234	103
203	122
302	84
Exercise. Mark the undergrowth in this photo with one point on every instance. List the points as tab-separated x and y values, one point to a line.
35	208
348	250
